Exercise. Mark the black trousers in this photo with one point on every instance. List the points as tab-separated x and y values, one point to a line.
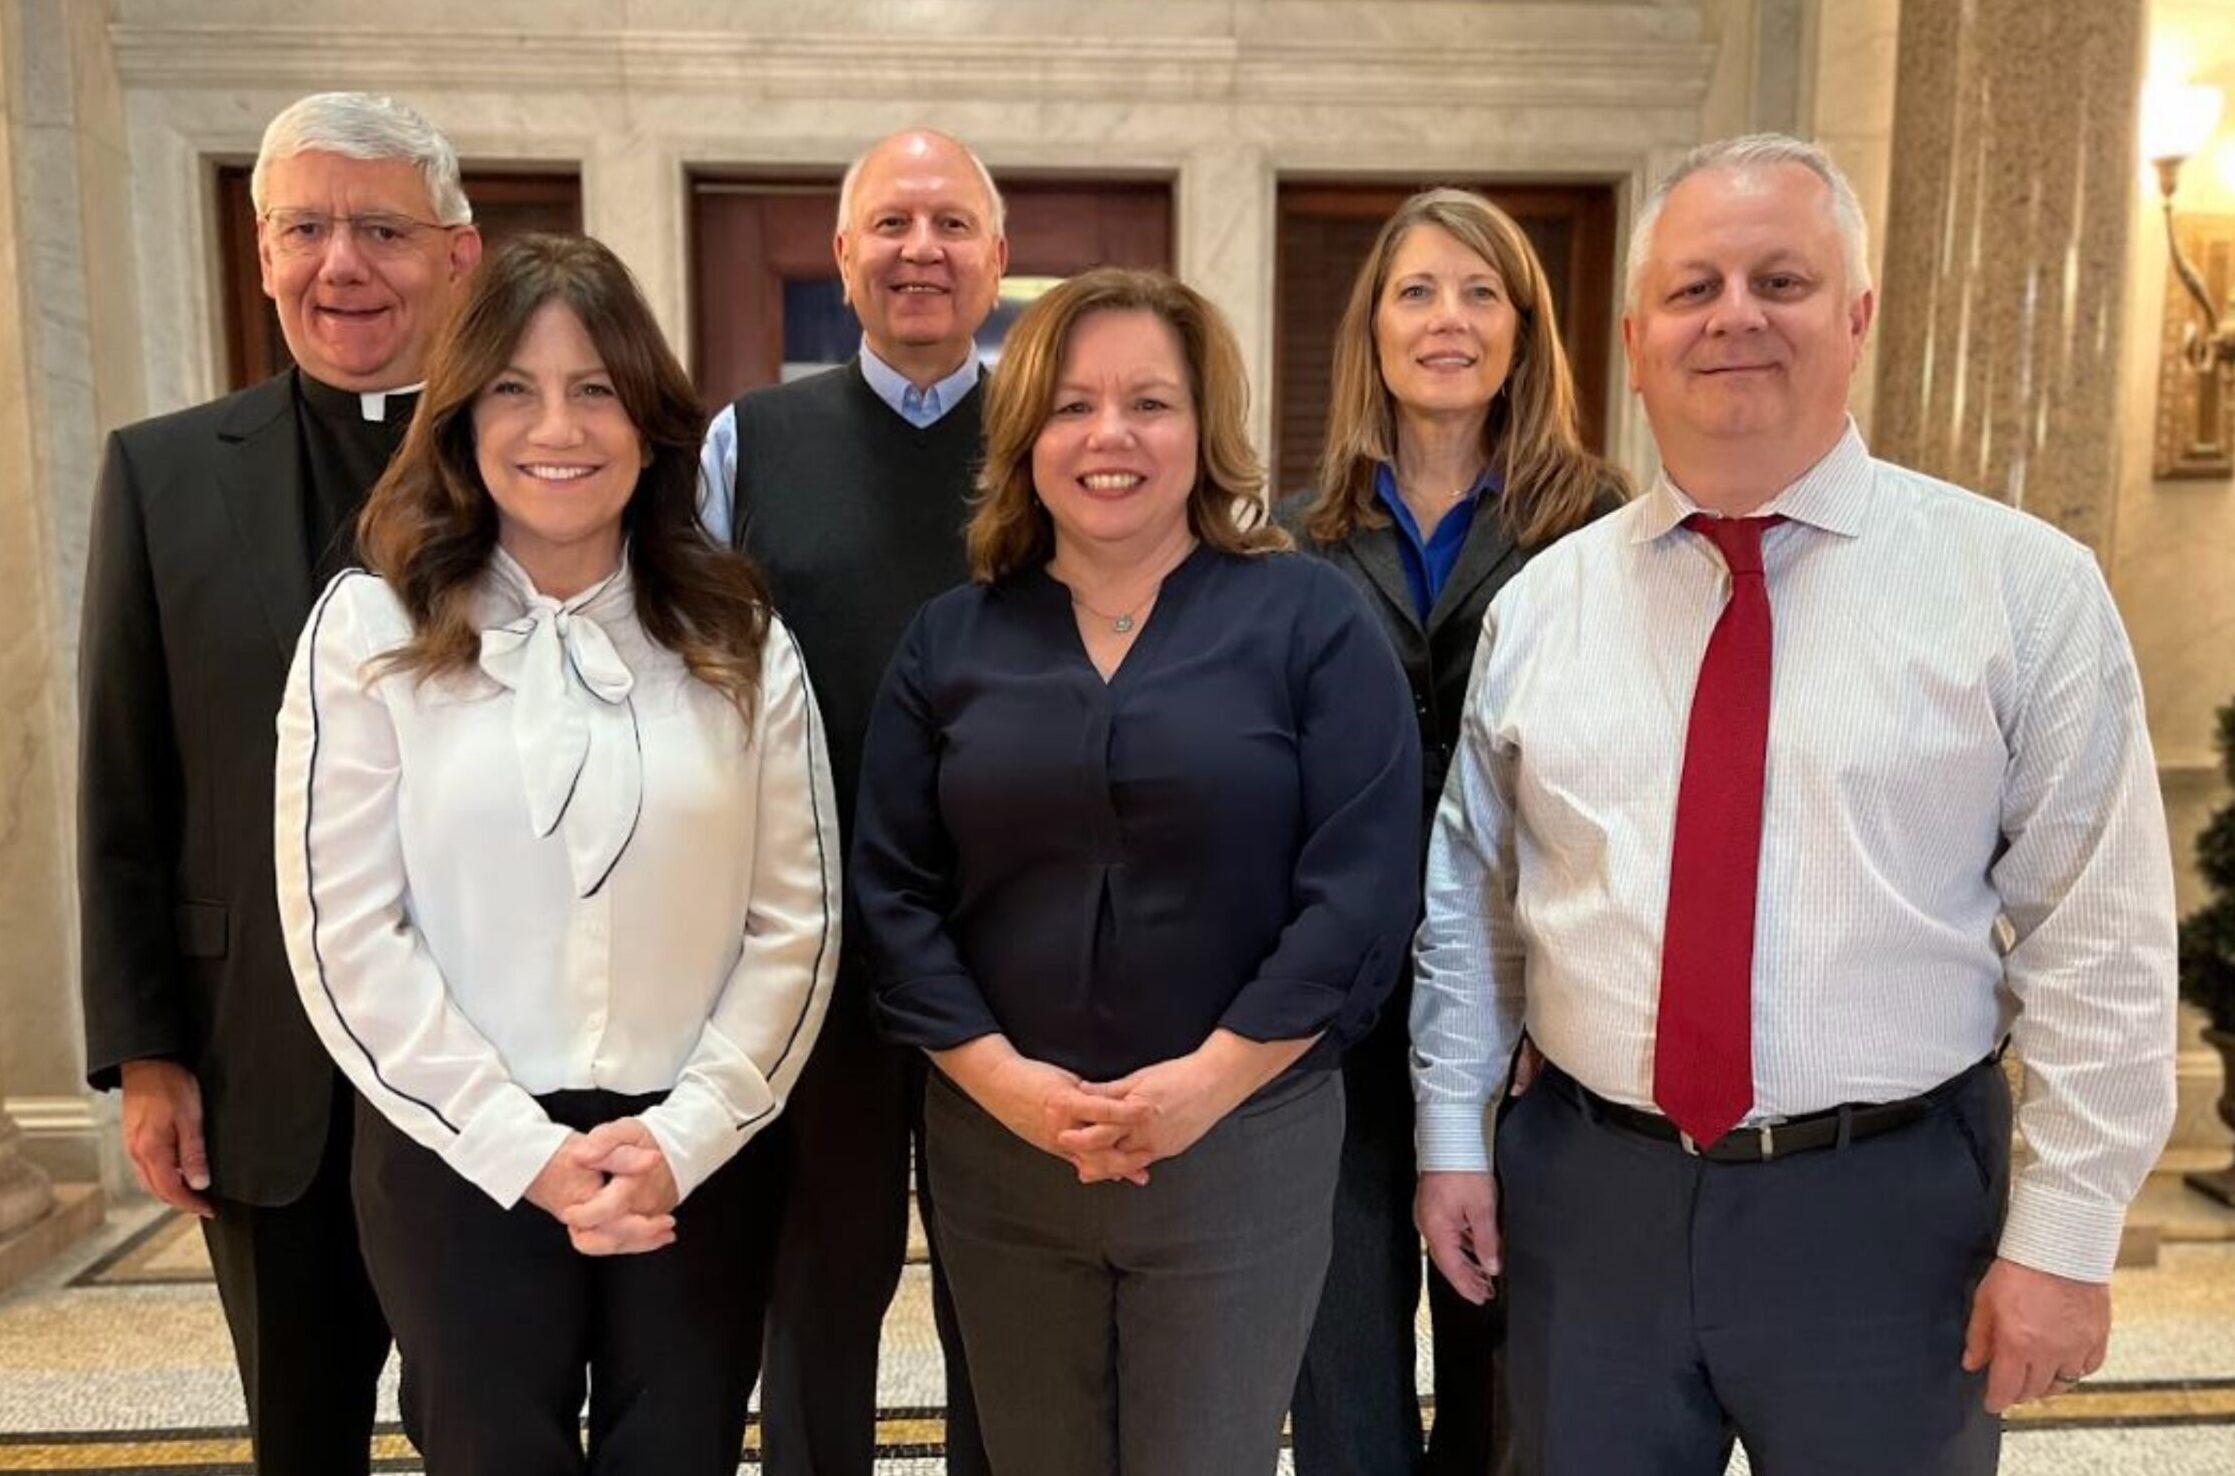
1813	1307
843	1145
308	1334
1356	1411
503	1325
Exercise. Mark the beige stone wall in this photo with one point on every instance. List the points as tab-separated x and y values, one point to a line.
1851	113
2172	562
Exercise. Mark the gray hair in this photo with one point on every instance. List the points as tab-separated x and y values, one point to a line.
1757	151
358	125
998	210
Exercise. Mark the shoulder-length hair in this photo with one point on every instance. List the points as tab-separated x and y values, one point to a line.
1529	439
430	526
1010	529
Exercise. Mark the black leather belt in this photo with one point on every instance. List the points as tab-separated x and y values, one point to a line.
1850	1123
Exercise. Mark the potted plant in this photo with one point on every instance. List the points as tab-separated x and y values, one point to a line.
2208	950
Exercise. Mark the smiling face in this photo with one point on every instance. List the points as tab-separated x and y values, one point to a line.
1116	460
358	314
1444	327
1746	332
557	452
919	255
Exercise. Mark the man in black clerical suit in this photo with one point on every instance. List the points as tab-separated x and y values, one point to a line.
213	529
850	489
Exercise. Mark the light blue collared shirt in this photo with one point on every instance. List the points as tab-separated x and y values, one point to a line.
717	461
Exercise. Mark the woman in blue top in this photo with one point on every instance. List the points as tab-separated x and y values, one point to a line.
1136	857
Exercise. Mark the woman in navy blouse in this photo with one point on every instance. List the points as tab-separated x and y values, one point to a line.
1136	854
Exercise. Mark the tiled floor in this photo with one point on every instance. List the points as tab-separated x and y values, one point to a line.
83	1367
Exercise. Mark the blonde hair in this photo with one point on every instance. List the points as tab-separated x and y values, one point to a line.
1010	529
1550	482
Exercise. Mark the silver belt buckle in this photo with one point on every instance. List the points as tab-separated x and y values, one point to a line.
1769	1142
1686	1140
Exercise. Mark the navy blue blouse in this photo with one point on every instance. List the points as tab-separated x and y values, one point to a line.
1224	834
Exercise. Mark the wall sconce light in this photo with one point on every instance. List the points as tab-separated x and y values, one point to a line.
2196	377
2176	120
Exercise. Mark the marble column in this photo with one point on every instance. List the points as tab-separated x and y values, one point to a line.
2006	234
69	348
1226	225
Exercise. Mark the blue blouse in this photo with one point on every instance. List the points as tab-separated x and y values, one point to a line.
1429	561
1225	834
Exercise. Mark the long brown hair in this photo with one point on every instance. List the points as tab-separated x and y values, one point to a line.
1529	438
430	526
1010	529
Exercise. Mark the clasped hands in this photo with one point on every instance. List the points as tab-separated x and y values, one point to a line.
1114	1130
612	1189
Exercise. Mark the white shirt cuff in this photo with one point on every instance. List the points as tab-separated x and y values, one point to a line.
505	1145
2062	1235
696	1132
1452	1137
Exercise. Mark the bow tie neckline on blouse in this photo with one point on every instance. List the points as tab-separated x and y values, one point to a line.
573	723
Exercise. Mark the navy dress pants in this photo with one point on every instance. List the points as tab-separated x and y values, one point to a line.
1813	1307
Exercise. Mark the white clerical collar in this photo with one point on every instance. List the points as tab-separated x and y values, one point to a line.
373	404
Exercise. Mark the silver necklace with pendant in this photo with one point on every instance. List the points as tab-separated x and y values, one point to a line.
1122	622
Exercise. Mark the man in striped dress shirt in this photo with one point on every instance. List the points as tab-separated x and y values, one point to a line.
1786	795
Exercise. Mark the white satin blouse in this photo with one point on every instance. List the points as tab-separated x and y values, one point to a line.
570	869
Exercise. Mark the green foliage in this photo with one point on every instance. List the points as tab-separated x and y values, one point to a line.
2208	934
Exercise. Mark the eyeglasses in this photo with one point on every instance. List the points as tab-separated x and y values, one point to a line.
311	232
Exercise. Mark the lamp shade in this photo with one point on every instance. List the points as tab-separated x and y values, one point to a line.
2177	117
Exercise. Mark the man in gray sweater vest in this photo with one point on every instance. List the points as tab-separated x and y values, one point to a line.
850	489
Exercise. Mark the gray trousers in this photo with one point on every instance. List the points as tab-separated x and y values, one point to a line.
1813	1307
1123	1330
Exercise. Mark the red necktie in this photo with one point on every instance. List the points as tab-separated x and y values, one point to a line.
1703	1050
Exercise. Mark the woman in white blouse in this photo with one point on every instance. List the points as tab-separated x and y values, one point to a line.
558	873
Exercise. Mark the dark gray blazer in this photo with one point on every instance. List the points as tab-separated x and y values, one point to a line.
197	582
1437	653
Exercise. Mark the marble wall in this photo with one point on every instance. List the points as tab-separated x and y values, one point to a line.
69	366
2172	562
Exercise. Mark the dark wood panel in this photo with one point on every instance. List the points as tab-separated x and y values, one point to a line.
505	203
1324	233
750	237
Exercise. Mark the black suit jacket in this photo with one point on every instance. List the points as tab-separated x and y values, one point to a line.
197	581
